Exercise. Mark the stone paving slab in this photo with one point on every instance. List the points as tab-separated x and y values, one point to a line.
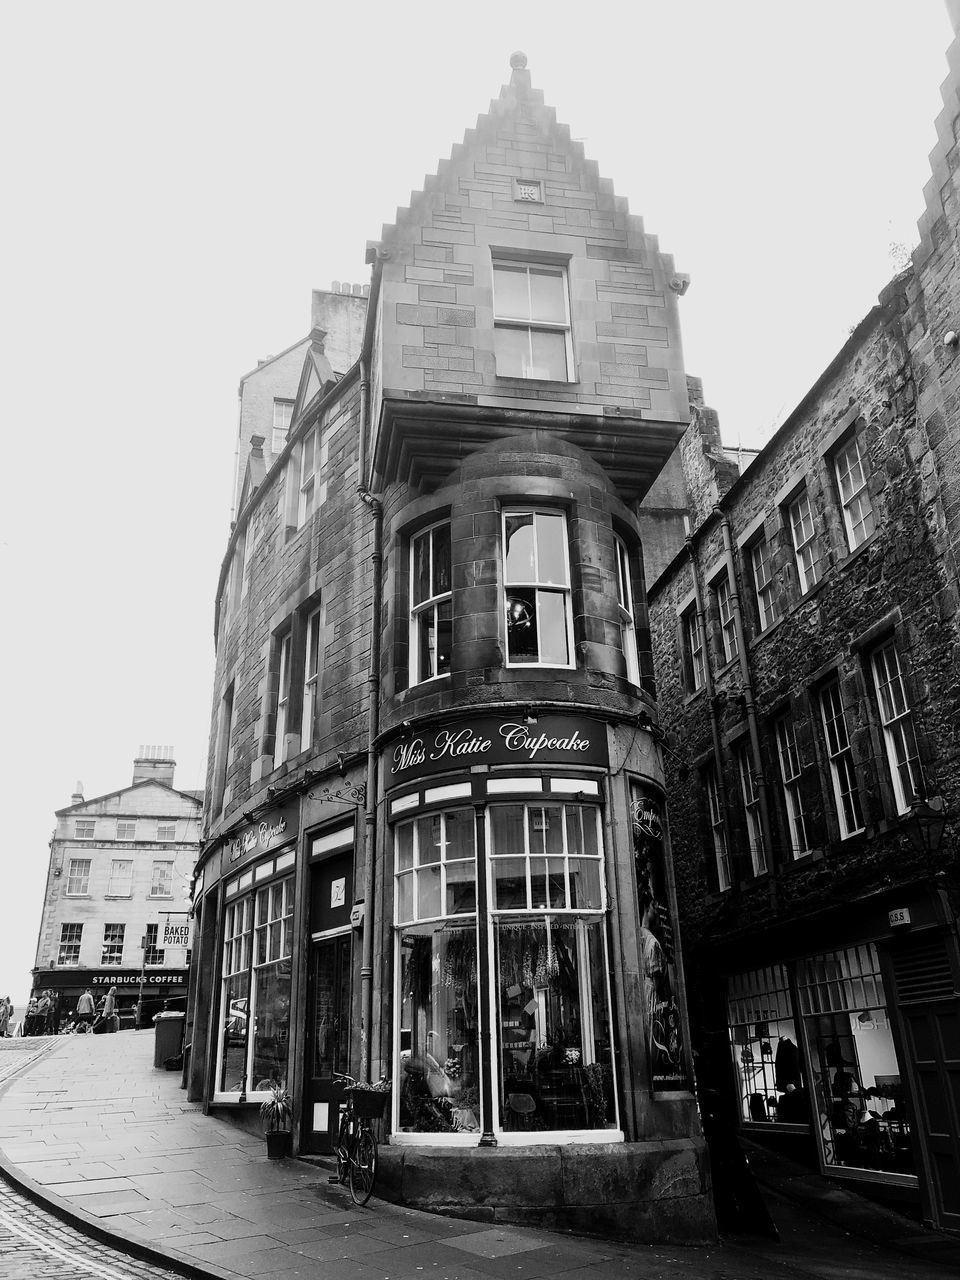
90	1125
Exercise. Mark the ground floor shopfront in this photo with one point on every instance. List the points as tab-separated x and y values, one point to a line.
140	995
524	992
845	1033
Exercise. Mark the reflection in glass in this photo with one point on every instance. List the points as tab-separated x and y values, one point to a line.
439	1064
553	1024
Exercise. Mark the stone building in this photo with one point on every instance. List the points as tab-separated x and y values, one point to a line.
434	845
805	636
119	876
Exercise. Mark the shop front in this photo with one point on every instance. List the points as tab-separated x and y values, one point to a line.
140	994
853	1044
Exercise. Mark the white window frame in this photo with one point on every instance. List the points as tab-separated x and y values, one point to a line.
111	951
693	649
790	773
531	324
78	881
896	720
282	418
764	585
751	808
426	612
158	878
843	774
628	626
284	647
68	945
538	586
807	550
718	829
419	863
723	595
313	637
89	827
166	831
121	880
152	954
851	472
126	828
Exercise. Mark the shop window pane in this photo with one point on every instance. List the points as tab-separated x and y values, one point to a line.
439	1083
548	883
510	883
769	1065
506	823
236	1005
461	888
460	833
404	846
271	1024
861	1103
586	892
428	883
405	896
428	840
553	1026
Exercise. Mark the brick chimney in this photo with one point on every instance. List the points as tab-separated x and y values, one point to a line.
77	797
156	763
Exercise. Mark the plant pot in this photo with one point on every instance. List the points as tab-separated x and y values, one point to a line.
278	1144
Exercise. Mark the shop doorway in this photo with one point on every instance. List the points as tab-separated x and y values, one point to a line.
328	1041
930	1009
329	992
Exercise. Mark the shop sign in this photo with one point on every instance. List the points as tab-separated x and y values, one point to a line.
151	978
272	830
546	741
899	915
175	935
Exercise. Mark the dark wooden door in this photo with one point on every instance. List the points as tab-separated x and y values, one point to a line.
328	1040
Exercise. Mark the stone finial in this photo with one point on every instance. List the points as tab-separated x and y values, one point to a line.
518	61
519	75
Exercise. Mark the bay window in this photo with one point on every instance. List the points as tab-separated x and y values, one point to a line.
536	578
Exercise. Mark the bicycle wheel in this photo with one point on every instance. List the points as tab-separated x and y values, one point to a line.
363	1167
343	1149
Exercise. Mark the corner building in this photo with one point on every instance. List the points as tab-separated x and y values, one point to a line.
436	846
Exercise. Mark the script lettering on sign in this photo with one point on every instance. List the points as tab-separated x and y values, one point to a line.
258	837
551	740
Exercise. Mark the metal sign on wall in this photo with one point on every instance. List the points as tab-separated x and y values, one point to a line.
540	742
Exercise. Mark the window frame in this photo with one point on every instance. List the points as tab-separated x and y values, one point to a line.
858	495
722	590
841	761
538	586
69	959
532	324
284	644
285	408
152	954
628	623
85	834
807	545
897	726
164	827
310	701
718	828
157	878
421	611
760	553
111	950
82	877
694	649
116	883
122	825
750	795
791	769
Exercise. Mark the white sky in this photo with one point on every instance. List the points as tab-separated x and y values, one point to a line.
179	176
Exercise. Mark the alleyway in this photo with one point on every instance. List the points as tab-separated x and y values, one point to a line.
106	1139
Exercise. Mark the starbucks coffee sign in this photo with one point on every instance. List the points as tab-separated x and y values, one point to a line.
490	740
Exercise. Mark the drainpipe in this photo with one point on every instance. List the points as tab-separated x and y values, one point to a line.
373	685
748	702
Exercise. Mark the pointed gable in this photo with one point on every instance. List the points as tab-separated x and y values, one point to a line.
316	377
519	190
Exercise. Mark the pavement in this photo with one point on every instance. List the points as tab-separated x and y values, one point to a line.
89	1129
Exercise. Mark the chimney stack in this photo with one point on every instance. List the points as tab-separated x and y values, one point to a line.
156	764
77	797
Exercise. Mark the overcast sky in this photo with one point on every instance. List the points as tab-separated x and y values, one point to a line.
179	176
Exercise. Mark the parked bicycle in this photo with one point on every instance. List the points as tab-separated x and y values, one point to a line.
356	1142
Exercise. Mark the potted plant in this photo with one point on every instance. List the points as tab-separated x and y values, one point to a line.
275	1111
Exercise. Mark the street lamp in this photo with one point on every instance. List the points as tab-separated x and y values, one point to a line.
925	825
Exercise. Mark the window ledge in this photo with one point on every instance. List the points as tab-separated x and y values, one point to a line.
111	896
510	380
851	556
760	636
696	693
160	897
805	859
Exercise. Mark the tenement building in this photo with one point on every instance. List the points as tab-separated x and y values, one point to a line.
806	651
435	846
116	909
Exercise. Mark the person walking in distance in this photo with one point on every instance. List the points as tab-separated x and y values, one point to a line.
4	1017
85	1009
